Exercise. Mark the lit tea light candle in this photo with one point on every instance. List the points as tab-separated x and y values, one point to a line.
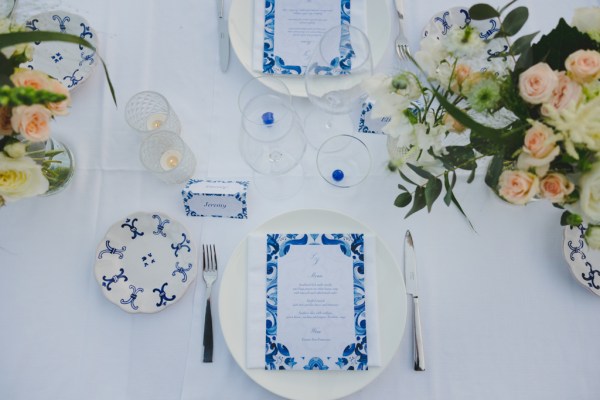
170	159
155	121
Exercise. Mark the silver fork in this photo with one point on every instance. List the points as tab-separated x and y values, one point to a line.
209	272
402	48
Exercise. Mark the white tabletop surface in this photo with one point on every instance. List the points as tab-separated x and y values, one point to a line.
502	316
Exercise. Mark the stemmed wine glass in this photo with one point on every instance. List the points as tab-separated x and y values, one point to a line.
272	141
334	77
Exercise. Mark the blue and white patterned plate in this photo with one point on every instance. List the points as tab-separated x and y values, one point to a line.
442	22
145	262
70	63
583	261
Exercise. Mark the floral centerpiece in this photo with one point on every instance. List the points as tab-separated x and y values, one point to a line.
29	100
533	110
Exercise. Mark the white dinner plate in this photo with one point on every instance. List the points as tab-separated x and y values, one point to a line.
313	384
583	261
70	63
145	262
241	25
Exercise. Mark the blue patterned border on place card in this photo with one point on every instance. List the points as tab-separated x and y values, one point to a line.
354	355
273	64
239	197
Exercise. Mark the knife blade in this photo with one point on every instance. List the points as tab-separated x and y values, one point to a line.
223	36
412	288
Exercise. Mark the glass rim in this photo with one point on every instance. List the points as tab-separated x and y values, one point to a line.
285	91
353	139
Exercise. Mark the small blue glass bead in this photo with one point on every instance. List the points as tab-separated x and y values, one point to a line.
337	175
268	118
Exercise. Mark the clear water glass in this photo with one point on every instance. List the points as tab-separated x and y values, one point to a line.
344	161
168	157
150	111
272	141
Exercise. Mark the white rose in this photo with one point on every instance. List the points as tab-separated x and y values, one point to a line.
21	177
592	236
589	196
587	19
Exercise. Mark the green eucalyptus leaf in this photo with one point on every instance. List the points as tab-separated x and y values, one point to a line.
432	192
515	20
523	43
456	203
418	201
448	187
402	188
403	199
462	157
472	175
420	171
494	171
568	218
483	11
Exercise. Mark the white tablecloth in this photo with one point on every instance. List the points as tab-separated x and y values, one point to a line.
501	313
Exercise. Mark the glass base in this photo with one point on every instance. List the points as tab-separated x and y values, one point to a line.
320	126
279	187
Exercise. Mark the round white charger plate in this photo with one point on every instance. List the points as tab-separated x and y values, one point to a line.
583	261
70	63
313	384
145	262
241	32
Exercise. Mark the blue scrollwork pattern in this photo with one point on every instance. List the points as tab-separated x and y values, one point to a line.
162	294
182	271
442	20
61	22
32	25
354	355
576	249
132	297
130	224
114	279
86	33
161	225
184	244
112	250
493	29
74	80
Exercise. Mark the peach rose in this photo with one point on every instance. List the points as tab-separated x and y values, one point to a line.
5	126
461	72
566	92
452	124
537	83
555	187
518	187
61	107
33	122
583	65
23	77
539	148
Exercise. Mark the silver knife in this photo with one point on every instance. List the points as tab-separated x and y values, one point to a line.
410	274
223	36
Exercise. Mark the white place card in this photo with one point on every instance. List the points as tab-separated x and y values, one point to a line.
214	198
286	31
315	302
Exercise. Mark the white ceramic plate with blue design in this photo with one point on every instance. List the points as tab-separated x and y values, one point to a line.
145	262
241	25
70	63
313	384
583	261
442	22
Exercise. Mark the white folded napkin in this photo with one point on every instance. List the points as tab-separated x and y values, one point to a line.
307	25
256	304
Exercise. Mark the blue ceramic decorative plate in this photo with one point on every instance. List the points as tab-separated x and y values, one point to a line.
70	63
583	261
145	262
